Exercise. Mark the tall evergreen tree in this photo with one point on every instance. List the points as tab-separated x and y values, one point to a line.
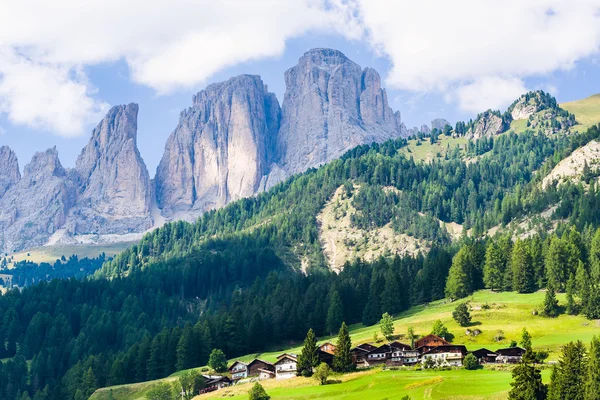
335	313
523	274
342	360
493	269
309	357
460	282
571	307
527	380
569	378
550	303
592	377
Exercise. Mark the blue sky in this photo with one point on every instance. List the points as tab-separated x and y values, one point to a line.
54	87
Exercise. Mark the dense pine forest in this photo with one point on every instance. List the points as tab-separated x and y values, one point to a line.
233	278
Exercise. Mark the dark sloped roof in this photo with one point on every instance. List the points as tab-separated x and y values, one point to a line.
511	351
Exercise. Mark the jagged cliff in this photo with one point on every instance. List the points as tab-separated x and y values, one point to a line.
330	106
114	193
36	206
9	169
221	148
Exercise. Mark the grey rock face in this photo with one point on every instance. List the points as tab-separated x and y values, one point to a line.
221	149
9	169
114	186
330	106
486	125
425	129
34	208
439	124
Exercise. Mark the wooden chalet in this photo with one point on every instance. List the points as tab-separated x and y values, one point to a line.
214	382
359	354
326	353
428	342
265	374
241	370
402	354
450	355
510	355
256	365
485	356
286	366
238	370
379	355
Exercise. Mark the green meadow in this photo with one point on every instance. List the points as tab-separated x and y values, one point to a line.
495	314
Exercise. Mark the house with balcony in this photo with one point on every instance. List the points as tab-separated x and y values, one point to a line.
401	354
360	353
445	356
238	370
510	355
286	366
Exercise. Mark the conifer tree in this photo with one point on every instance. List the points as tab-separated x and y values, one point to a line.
309	357
569	376
526	340
335	313
592	378
571	307
493	269
550	303
523	276
527	380
595	257
342	360
459	283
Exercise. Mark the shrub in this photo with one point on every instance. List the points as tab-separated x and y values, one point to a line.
258	393
470	362
461	315
322	373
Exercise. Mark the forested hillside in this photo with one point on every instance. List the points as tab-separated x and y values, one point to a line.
256	268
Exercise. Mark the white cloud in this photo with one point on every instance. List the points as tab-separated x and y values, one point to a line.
445	45
168	44
488	92
449	47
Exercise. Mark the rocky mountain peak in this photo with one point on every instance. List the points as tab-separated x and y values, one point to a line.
330	106
9	169
221	148
114	184
43	165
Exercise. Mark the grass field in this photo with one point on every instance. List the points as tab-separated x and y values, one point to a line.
50	254
587	111
425	151
508	313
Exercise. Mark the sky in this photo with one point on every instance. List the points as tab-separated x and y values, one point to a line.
64	65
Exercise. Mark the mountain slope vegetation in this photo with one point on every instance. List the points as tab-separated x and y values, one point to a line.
256	268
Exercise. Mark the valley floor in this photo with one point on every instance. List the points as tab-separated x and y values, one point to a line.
504	314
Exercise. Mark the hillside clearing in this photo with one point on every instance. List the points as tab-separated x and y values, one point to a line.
507	315
343	242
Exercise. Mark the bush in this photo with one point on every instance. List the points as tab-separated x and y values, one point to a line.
322	373
461	315
470	362
258	393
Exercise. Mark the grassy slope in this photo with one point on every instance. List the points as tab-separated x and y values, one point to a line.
587	111
50	254
427	151
509	312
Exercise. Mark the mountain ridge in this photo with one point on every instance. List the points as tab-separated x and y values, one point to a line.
234	141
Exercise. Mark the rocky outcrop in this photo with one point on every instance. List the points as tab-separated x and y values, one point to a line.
36	206
439	124
330	106
221	149
486	125
114	193
425	129
9	169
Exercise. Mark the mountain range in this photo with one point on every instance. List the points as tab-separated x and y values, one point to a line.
234	141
